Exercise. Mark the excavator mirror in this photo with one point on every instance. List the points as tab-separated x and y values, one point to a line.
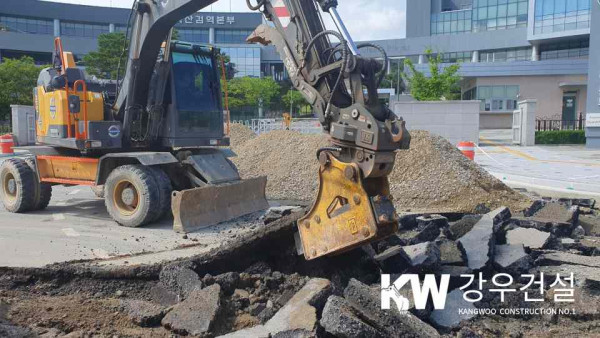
74	104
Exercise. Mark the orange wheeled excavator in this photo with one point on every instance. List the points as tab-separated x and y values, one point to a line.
156	140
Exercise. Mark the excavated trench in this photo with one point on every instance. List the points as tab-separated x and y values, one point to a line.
256	276
264	262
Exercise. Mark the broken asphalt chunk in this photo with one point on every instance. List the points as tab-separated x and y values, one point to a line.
456	311
478	243
512	259
196	314
180	279
558	258
461	227
367	302
339	320
422	255
529	237
450	252
591	224
298	315
143	313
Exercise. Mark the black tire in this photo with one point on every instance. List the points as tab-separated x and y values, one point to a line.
98	190
132	195
17	182
166	189
43	191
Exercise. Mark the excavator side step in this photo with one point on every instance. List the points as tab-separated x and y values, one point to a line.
198	208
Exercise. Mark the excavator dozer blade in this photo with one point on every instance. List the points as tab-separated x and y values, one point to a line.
198	208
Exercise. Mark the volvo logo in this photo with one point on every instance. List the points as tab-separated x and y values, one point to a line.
114	131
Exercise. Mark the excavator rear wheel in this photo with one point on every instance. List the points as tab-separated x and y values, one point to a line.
18	185
166	189
43	191
132	195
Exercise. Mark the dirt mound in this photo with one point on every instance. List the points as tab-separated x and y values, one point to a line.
432	176
240	134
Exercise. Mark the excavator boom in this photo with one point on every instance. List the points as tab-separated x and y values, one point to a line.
353	206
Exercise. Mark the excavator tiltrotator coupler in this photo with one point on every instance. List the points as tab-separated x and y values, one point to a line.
201	207
349	211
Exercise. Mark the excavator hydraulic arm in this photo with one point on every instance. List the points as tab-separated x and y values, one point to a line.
354	205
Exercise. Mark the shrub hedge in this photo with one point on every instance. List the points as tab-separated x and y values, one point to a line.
560	137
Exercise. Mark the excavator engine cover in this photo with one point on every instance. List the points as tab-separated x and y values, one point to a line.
349	211
197	208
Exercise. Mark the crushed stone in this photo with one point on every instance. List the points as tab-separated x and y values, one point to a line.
432	176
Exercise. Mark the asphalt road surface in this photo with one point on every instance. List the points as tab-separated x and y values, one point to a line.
76	226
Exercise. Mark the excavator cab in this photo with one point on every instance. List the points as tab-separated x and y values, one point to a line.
193	98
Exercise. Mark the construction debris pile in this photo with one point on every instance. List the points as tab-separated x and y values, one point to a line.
276	293
432	176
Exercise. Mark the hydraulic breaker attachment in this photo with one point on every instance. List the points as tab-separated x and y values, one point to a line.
197	208
349	211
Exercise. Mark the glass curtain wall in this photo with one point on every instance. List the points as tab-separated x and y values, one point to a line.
561	15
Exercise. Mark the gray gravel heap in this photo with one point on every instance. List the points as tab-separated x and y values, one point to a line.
432	176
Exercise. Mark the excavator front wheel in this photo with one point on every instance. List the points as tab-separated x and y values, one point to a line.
132	195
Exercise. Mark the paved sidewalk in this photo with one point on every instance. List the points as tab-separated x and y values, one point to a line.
570	170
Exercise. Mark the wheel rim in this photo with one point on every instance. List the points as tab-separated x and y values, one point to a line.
126	198
9	187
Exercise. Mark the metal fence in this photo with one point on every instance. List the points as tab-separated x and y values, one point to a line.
304	126
550	124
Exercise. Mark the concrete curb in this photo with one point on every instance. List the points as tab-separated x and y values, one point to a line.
549	187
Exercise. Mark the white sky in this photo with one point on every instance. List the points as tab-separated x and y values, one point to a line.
366	19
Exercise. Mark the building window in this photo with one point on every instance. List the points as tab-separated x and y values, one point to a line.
456	57
26	25
506	55
494	98
470	94
451	22
232	35
499	14
83	30
483	15
577	49
194	35
245	60
553	16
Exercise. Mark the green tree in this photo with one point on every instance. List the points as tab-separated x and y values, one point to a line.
175	35
251	92
294	100
104	62
18	78
441	84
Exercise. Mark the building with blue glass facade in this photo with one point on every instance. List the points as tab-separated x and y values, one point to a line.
28	27
509	50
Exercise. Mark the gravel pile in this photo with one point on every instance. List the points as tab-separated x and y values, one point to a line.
432	176
240	134
289	160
